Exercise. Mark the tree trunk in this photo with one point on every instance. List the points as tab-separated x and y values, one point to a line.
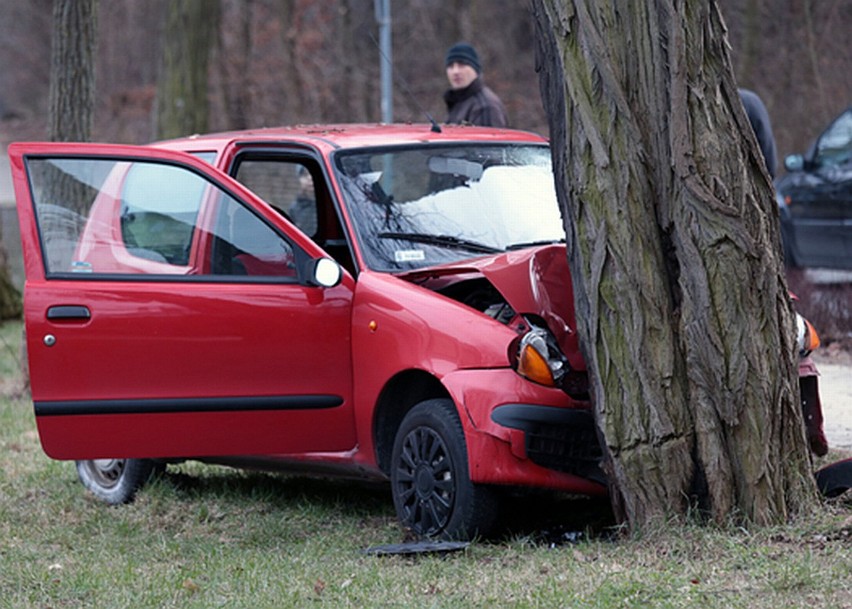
673	241
10	297
72	70
182	102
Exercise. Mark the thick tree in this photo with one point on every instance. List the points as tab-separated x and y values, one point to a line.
673	239
190	30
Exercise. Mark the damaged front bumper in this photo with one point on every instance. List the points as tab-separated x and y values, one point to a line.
556	438
524	434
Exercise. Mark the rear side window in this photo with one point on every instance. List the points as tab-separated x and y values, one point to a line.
116	217
286	185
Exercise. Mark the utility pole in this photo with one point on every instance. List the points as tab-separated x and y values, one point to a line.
383	17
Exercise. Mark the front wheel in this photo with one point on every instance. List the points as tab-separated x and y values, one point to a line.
116	480
432	491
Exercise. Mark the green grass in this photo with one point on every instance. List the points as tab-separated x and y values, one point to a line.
205	536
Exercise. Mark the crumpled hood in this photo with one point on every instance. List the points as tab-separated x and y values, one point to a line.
533	281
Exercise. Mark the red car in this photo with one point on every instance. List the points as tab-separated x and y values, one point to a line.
384	301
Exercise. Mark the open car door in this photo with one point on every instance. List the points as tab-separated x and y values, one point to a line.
169	311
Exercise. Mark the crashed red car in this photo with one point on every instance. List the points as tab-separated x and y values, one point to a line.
371	300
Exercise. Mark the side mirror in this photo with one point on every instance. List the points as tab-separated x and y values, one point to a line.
324	273
794	162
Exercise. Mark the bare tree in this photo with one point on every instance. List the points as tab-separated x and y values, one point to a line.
674	249
72	87
72	70
182	97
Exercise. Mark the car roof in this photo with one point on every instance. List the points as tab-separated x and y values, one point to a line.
353	135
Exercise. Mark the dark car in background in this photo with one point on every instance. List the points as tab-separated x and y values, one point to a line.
815	200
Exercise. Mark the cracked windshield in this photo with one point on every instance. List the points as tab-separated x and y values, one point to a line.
421	206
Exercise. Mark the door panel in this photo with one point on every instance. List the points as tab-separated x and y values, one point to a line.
167	317
822	228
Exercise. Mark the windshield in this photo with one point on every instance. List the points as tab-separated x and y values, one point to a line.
835	145
421	206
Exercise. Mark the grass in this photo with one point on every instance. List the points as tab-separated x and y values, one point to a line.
205	536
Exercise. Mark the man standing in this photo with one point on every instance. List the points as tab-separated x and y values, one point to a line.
468	99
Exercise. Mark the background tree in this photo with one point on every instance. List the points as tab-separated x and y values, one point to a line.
182	94
72	70
674	249
10	297
72	96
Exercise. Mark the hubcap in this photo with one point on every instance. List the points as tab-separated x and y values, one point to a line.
106	472
425	484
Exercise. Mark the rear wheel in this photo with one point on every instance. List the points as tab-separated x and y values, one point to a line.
432	491
116	480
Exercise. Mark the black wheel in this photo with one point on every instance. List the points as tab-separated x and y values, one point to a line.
116	480
431	487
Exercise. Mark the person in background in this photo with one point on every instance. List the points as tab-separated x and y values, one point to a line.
303	210
468	99
762	127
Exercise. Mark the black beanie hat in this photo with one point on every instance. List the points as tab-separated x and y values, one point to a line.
464	53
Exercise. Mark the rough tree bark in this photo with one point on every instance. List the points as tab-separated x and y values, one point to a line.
182	103
673	241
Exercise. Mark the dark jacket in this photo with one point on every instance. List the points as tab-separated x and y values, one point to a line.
476	104
759	119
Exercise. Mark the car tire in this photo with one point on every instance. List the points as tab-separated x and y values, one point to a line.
116	481
432	491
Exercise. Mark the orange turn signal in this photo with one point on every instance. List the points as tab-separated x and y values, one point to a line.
533	365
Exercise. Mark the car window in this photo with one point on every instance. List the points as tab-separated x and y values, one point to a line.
158	210
835	145
104	216
286	185
206	156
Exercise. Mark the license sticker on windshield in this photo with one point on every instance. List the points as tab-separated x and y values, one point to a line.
409	255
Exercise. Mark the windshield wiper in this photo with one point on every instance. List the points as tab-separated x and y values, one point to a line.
520	246
444	240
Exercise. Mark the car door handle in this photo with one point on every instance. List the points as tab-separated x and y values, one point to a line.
68	312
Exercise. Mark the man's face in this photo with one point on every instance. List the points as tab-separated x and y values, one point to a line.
460	75
306	182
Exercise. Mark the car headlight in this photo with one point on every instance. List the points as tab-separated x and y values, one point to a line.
538	358
806	336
